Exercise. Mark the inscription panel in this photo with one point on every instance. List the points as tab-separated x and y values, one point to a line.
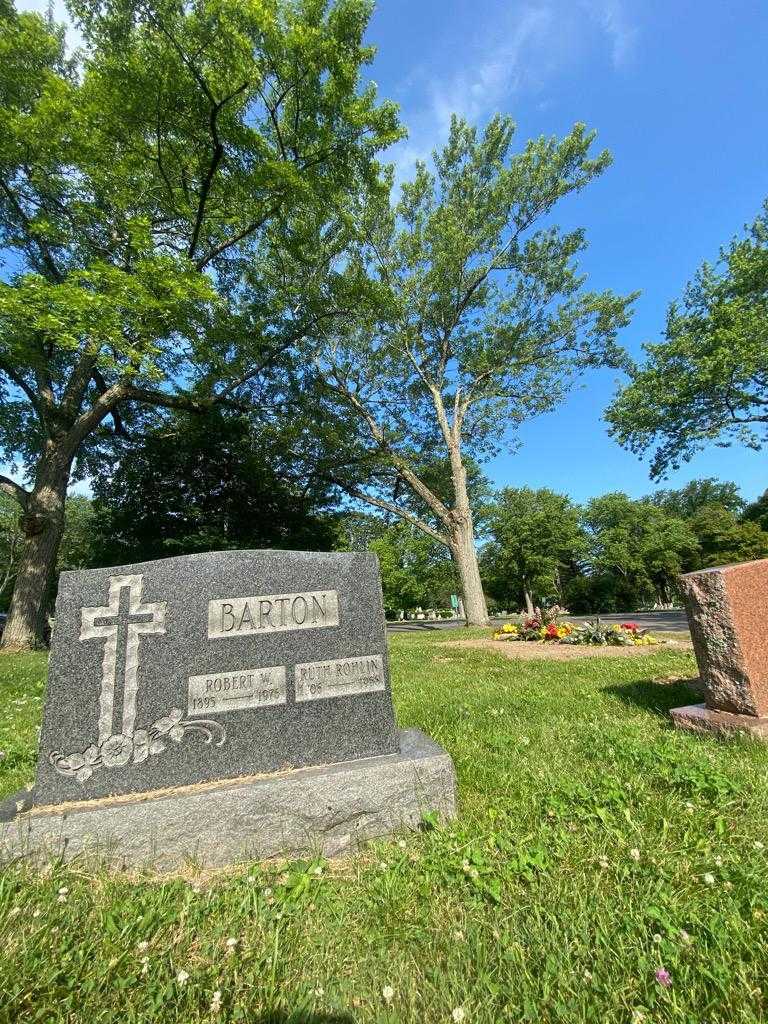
339	677
236	691
272	613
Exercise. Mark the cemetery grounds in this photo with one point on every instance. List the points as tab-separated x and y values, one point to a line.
603	868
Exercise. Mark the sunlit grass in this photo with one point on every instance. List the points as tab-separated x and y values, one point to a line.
594	846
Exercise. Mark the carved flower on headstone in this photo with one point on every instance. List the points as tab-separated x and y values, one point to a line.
116	751
140	746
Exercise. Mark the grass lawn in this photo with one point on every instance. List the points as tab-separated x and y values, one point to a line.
595	846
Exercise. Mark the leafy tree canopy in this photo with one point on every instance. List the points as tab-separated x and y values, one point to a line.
209	482
708	380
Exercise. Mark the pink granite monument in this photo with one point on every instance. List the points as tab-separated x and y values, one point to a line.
727	612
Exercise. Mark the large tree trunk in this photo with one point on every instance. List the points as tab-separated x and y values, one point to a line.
528	601
42	524
465	557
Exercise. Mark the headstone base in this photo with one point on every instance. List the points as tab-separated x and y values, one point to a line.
700	718
324	811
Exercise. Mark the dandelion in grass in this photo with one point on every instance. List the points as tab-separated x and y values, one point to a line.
663	977
634	853
458	1015
267	894
657	939
388	993
708	878
182	977
216	1001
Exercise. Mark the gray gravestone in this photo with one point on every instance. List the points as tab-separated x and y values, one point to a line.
213	666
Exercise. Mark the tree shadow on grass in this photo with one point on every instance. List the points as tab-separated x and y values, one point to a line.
658	696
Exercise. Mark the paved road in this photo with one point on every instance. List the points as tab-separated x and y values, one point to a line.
667	622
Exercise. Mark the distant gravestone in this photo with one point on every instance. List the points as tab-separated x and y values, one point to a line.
209	668
727	607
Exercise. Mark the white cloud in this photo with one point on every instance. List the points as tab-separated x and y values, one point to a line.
519	52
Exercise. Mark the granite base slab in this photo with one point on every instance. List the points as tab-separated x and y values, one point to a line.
324	811
700	718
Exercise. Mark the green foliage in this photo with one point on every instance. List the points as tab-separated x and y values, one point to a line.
708	380
478	316
723	539
638	547
208	482
416	571
537	538
689	500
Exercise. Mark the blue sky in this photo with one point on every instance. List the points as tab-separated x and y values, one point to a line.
678	91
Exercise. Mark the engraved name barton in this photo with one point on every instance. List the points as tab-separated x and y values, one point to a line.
339	677
272	613
237	690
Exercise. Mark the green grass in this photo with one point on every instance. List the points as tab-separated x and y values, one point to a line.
506	913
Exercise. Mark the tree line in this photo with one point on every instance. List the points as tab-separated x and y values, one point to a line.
199	235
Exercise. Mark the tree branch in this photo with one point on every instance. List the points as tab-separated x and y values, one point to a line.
389	506
14	490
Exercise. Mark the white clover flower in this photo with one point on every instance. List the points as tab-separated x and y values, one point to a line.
657	939
36	913
603	862
145	965
758	845
388	993
383	866
317	870
14	911
587	975
458	1014
61	898
402	844
319	991
250	880
524	741
459	936
63	891
708	879
182	977
474	874
634	853
728	885
216	1001
718	862
685	938
267	893
230	944
689	808
143	945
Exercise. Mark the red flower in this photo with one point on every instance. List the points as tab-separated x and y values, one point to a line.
632	626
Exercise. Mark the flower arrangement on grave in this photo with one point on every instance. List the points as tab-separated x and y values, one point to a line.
544	627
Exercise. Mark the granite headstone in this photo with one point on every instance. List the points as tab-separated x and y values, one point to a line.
727	607
213	666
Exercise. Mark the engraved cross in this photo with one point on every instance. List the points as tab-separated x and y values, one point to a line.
105	624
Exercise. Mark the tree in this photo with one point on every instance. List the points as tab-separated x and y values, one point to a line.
537	536
147	192
723	540
708	380
208	482
637	547
415	569
480	320
689	500
757	511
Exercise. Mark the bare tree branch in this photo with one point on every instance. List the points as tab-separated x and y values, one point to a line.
14	490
